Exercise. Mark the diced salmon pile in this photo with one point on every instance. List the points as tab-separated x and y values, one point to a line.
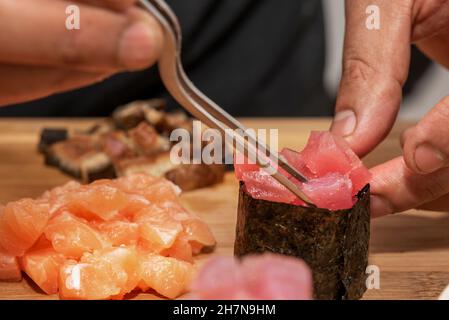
257	277
103	240
335	173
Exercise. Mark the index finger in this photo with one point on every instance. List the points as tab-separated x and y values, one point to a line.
375	66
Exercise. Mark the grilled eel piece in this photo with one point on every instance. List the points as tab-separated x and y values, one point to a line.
79	157
135	139
186	176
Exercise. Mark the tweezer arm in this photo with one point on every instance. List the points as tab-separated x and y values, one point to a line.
200	106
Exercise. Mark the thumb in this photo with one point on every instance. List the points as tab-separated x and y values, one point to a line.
375	66
426	146
109	41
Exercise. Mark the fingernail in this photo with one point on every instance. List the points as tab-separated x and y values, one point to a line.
428	159
344	123
380	206
138	46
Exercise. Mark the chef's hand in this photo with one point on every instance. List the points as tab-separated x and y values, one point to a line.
39	56
375	68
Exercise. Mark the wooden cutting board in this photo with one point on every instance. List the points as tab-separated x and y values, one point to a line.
410	249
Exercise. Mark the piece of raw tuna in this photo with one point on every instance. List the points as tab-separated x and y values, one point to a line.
259	277
326	153
334	171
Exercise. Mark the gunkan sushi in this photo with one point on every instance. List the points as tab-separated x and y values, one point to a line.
333	237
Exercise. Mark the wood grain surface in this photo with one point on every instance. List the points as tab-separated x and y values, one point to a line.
410	249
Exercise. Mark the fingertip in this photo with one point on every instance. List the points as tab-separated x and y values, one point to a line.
420	155
428	159
374	99
426	147
344	123
140	45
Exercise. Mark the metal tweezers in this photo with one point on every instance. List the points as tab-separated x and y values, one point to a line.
194	101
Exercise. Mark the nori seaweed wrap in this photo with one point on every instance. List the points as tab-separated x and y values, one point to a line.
333	243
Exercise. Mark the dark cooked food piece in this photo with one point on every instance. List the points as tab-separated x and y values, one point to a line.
67	153
100	128
174	120
130	115
117	145
333	243
153	116
50	136
156	165
134	140
147	141
97	166
79	158
186	176
157	104
196	176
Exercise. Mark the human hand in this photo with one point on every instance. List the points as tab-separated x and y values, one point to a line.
39	56
375	68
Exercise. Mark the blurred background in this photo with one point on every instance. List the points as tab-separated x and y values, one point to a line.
255	58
